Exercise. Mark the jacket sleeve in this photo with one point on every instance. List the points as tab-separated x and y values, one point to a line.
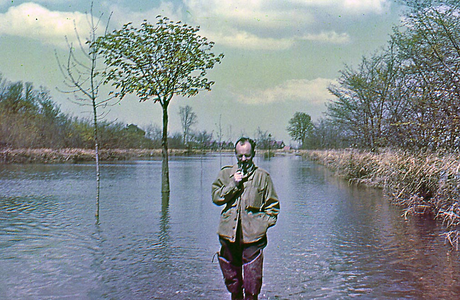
224	189
271	206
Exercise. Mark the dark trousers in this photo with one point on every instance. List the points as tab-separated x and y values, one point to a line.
241	265
238	253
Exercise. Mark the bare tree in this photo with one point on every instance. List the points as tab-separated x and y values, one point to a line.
429	46
188	118
364	97
154	133
83	80
219	137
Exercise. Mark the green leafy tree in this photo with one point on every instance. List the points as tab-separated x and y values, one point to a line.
156	63
299	127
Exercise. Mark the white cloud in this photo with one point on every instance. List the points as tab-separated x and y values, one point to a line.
275	25
349	6
266	14
36	22
376	6
244	24
50	1
275	13
122	15
328	37
248	41
312	91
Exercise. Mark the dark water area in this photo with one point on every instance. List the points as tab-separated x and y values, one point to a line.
332	240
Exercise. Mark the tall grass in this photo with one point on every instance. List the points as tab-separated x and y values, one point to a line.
422	183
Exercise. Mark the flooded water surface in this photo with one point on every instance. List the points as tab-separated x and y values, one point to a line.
332	240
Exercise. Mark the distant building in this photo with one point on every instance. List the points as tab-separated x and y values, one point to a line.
277	144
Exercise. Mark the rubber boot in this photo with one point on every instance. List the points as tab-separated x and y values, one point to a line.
252	281
233	278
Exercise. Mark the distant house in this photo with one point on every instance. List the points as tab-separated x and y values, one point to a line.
277	144
132	128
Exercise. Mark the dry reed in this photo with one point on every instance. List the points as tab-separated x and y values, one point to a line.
422	183
21	156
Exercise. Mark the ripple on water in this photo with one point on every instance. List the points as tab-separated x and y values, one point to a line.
332	240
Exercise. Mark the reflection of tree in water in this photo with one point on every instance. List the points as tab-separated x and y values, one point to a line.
97	266
164	253
98	193
143	256
164	225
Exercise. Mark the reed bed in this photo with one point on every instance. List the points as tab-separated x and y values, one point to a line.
21	156
422	183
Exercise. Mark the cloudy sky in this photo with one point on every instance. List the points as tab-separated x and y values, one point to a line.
280	55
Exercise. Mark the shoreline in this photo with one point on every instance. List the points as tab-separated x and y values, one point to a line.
423	184
76	155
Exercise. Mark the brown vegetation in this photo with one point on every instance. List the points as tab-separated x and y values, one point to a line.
422	183
13	156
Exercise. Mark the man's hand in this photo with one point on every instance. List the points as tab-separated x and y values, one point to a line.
238	177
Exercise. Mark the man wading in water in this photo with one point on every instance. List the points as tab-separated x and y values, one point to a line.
251	207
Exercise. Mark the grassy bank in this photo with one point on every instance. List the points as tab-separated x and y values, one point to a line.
422	183
21	156
74	155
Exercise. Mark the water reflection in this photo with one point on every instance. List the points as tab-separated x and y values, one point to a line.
98	291
98	193
332	240
163	235
376	251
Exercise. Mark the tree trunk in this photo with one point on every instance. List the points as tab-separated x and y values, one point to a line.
164	142
96	146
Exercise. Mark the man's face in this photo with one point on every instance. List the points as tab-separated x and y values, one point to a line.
244	154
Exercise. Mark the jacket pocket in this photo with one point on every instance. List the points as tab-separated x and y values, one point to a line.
227	223
226	213
255	199
255	226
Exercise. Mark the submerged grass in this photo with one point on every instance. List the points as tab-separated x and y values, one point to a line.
422	183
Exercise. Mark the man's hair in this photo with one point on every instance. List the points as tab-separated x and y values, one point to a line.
243	140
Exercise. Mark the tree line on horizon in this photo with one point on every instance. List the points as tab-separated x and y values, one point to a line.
406	95
29	118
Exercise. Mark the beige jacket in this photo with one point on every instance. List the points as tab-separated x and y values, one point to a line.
255	204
